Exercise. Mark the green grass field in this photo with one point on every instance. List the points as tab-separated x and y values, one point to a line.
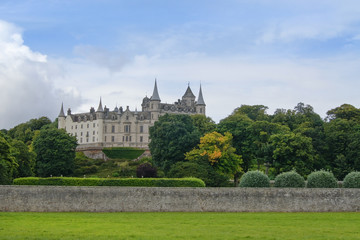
179	225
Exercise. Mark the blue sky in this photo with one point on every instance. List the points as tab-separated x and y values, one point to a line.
276	53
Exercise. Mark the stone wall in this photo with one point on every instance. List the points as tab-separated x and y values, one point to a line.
141	199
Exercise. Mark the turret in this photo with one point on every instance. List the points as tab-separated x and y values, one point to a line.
100	111
155	103
189	98
200	104
61	117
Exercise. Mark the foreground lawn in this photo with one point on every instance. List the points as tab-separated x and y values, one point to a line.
179	225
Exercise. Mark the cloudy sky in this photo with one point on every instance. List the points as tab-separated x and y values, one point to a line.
271	52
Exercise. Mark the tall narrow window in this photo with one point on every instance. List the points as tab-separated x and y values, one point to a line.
112	138
112	129
141	129
141	138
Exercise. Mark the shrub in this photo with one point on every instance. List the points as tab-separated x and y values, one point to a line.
289	180
132	182
254	179
352	180
321	179
123	152
146	170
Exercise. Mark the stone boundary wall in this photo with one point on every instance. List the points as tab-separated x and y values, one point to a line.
148	199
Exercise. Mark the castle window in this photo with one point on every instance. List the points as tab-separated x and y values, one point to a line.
87	139
93	124
80	140
130	138
93	139
112	138
93	132
141	138
112	129
75	134
127	138
87	134
127	128
123	139
141	129
87	125
75	126
152	106
105	138
127	117
81	134
105	129
81	126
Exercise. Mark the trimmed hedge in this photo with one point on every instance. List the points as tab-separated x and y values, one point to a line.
124	182
254	179
352	180
321	179
289	180
123	152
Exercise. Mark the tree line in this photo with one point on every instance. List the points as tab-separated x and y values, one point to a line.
182	145
251	139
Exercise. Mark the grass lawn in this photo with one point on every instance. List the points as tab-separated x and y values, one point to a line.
179	225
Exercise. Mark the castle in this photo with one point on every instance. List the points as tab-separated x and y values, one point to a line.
125	128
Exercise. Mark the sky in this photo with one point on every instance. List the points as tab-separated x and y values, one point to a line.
275	53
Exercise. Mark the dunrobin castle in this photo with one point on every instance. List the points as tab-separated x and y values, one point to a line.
123	127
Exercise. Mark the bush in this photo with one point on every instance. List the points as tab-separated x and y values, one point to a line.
321	179
133	182
352	180
123	152
289	180
254	179
146	170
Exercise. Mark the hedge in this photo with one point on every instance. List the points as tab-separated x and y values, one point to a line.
289	180
124	182
321	179
123	152
352	180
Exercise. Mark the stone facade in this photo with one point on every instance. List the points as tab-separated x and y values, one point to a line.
125	128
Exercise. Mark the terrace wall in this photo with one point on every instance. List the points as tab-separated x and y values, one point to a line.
142	199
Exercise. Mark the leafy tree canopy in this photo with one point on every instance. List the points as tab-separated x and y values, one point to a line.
171	137
55	152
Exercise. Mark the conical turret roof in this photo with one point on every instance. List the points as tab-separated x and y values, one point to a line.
155	96
200	98
189	93
61	114
100	108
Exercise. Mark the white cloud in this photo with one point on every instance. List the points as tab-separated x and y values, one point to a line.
26	87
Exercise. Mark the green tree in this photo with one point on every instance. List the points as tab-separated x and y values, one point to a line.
171	137
237	124
254	112
7	162
345	111
218	151
203	124
292	152
24	158
55	152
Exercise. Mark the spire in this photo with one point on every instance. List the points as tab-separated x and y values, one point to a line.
61	114
155	95
100	108
189	93
200	99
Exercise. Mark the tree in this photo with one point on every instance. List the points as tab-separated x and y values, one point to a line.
7	162
24	158
203	124
237	124
255	112
218	151
146	170
171	137
55	152
292	152
345	111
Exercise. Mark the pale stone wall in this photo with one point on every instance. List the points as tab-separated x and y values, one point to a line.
141	199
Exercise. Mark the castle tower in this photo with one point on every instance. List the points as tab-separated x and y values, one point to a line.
100	111
61	118
189	98
200	104
155	103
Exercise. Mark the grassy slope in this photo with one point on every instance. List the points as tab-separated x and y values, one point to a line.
179	225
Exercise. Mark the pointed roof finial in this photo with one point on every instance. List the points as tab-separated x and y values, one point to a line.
155	95
200	98
61	114
188	92
100	108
